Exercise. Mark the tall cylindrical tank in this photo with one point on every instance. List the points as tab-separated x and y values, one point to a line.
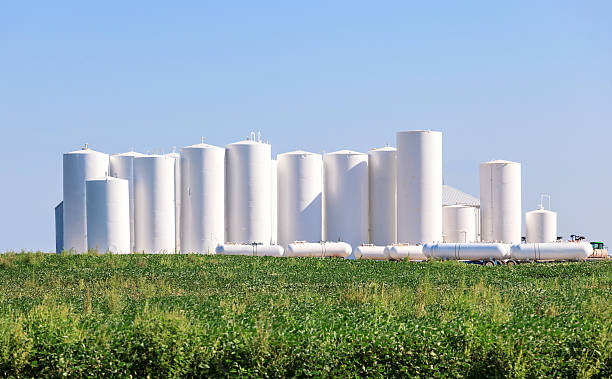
300	184
79	166
122	167
248	192
419	186
154	213
108	215
177	200
459	223
345	196
541	226
500	201
273	202
383	206
402	251
203	198
555	251
467	251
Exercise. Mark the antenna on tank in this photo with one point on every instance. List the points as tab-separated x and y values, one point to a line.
202	139
259	136
252	136
542	196
86	146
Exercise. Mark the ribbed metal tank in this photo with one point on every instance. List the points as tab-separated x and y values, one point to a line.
300	185
248	192
467	251
400	252
377	253
459	223
500	201
154	207
251	249
78	167
320	249
419	186
273	202
555	251
177	200
108	215
122	167
541	226
382	166
345	197
203	198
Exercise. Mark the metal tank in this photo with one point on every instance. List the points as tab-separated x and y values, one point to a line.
251	249
382	169
248	192
345	197
203	198
273	202
467	251
552	251
78	167
419	186
108	215
177	200
541	226
59	227
122	167
400	252
320	249
459	223
154	212
500	201
300	184
378	253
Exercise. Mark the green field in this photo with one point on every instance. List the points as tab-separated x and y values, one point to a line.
190	315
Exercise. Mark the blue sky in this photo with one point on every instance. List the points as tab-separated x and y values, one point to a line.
525	81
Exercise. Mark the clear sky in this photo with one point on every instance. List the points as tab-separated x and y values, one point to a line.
529	81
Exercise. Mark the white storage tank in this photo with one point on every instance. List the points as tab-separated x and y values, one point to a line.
459	223
177	200
78	167
553	251
419	186
541	226
248	192
400	252
467	251
320	249
500	201
122	167
203	198
383	206
108	215
256	250
154	212
300	185
378	253
274	202
345	197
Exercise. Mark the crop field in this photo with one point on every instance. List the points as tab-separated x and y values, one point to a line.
191	315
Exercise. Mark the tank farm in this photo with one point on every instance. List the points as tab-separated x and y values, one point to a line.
387	204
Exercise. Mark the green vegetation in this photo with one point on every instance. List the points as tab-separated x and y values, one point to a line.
189	315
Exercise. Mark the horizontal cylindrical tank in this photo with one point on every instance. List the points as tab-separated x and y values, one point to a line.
300	185
383	207
404	251
203	198
248	192
273	202
459	223
378	253
541	226
122	167
108	215
320	249
467	251
345	196
419	186
500	201
154	212
79	166
251	249
555	251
